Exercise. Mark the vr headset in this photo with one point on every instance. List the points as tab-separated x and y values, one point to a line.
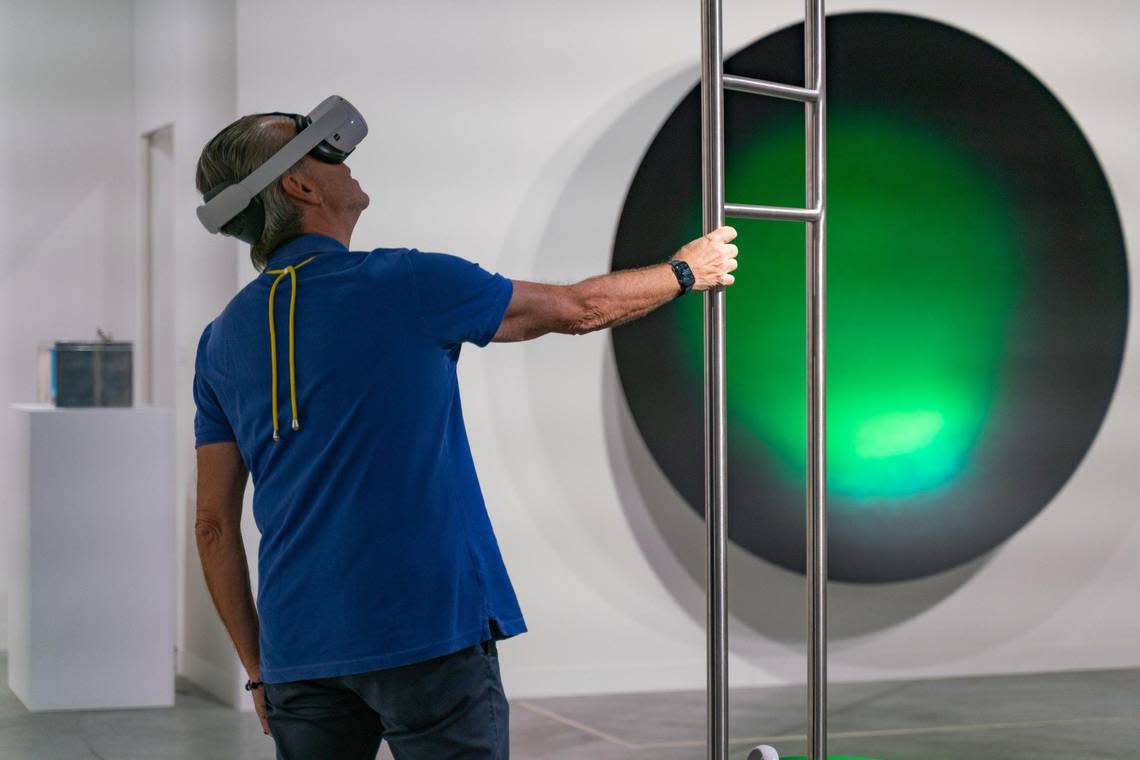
329	133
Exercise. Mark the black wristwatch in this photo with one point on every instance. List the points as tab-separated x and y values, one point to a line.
685	276
251	685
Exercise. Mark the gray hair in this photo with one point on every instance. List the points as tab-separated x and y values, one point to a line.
231	156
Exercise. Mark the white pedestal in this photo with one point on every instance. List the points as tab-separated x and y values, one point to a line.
91	604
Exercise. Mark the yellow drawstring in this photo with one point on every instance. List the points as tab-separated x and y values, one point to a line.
292	272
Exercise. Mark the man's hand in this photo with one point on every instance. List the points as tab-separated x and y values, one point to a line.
259	705
711	258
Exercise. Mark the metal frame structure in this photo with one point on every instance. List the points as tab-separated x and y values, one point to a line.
713	83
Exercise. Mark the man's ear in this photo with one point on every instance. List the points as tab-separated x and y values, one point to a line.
298	186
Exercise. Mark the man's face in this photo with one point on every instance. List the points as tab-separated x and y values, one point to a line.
339	190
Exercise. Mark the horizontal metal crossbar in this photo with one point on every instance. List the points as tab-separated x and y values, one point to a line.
774	89
778	213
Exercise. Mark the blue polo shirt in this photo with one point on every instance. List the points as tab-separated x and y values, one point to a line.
376	548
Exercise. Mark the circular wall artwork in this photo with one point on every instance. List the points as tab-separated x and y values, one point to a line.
977	300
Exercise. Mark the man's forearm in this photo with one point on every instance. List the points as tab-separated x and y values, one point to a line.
619	297
227	577
597	303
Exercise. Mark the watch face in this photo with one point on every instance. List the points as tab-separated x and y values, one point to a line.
684	274
688	279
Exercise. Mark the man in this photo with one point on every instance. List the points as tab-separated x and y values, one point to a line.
382	590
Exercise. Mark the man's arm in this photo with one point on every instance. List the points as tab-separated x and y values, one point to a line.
221	486
612	299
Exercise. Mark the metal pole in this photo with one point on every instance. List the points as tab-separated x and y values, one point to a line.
712	194
814	120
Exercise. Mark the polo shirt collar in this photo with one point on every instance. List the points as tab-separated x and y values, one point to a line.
295	250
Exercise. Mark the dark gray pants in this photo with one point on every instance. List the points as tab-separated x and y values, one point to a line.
449	707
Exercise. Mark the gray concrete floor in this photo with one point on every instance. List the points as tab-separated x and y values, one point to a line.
1086	715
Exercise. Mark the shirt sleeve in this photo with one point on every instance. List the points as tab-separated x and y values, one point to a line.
210	423
458	301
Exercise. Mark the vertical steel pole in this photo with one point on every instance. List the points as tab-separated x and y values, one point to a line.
814	121
712	194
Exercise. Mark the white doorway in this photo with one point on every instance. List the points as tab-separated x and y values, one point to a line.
156	355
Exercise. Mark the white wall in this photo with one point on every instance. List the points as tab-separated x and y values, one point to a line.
88	81
67	203
477	149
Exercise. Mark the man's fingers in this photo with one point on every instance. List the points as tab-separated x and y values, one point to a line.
259	705
727	279
731	250
733	264
724	234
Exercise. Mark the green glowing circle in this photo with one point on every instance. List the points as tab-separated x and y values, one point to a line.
977	300
915	346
